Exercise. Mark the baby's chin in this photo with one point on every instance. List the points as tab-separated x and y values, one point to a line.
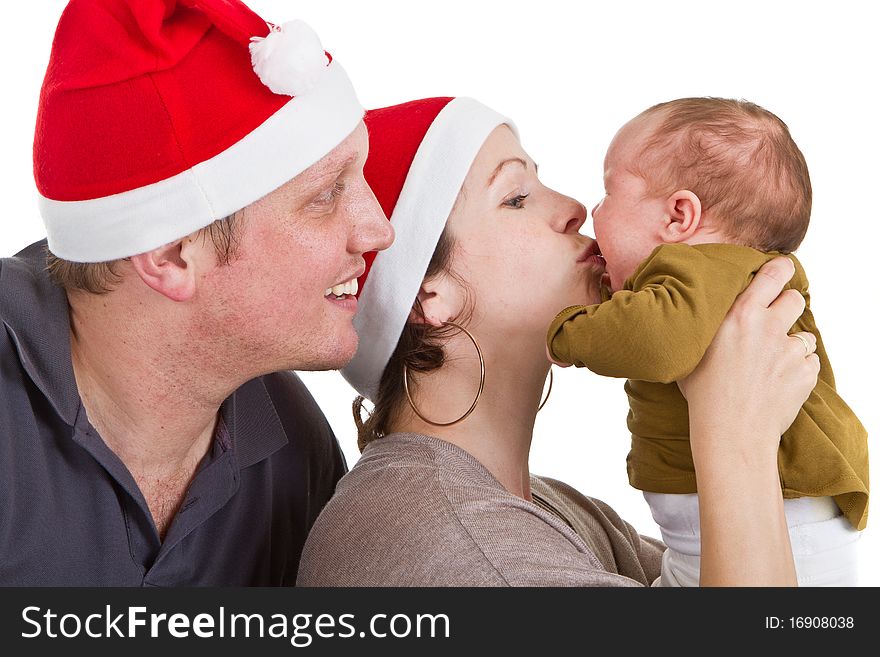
613	282
605	288
616	279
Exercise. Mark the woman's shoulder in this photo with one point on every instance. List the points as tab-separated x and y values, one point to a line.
393	521
616	543
414	464
415	511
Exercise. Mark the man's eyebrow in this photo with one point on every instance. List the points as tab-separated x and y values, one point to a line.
501	165
332	167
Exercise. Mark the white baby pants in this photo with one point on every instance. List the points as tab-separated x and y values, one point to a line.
823	542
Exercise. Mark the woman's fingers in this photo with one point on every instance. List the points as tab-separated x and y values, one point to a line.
787	308
804	360
755	372
805	341
768	282
766	291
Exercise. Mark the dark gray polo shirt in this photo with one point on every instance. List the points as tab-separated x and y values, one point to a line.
70	511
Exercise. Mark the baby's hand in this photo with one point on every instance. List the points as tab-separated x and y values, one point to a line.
550	358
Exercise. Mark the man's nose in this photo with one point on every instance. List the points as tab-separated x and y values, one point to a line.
372	230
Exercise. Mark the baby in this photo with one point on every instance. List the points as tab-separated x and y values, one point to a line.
699	193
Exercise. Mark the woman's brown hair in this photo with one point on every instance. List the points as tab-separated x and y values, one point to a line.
420	348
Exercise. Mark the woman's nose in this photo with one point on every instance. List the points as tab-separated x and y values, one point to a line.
576	215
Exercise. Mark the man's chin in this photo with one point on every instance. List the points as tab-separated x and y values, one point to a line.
334	359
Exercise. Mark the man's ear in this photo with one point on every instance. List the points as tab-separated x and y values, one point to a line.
684	212
440	298
169	270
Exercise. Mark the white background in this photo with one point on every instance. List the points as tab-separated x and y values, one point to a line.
570	74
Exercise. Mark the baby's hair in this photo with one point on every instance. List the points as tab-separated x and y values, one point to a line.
739	159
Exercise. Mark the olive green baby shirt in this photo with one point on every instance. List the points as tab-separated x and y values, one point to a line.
655	332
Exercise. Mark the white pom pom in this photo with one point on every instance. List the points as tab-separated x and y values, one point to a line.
290	60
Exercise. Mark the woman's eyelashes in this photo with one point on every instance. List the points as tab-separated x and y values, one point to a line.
515	202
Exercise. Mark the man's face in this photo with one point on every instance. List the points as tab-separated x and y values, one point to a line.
271	303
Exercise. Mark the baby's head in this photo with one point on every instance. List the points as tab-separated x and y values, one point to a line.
698	170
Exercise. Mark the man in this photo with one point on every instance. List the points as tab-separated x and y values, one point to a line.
201	182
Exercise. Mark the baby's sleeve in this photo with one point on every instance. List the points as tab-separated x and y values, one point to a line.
659	327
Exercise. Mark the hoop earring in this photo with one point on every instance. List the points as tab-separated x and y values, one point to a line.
549	389
479	392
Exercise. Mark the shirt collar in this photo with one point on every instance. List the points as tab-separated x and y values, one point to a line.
36	317
35	314
254	427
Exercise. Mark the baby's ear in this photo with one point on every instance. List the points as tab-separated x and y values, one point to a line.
684	213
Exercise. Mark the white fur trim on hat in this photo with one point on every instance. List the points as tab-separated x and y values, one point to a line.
288	142
432	185
290	60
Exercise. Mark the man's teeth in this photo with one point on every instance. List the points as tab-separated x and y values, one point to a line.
350	287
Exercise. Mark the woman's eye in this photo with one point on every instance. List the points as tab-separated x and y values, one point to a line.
515	201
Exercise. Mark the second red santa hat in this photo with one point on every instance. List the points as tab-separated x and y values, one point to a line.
420	154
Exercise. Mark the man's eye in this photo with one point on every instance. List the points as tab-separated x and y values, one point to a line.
332	194
515	201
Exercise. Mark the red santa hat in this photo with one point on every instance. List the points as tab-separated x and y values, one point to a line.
420	154
158	117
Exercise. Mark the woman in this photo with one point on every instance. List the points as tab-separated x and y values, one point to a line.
442	494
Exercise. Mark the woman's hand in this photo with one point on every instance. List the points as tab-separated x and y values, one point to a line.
744	394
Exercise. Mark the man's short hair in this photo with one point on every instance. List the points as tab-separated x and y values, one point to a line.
739	159
103	277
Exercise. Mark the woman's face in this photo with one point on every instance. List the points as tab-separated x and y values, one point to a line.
517	244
